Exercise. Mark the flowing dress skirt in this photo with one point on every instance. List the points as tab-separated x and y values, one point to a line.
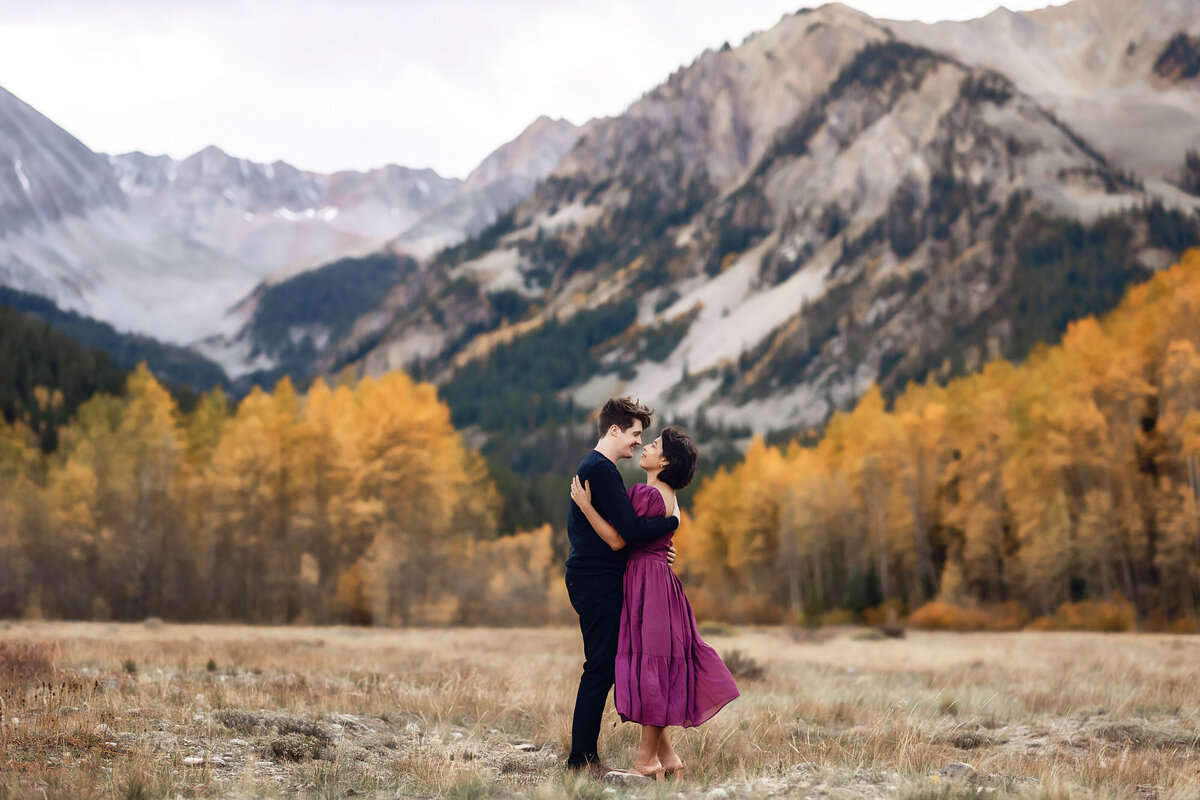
666	674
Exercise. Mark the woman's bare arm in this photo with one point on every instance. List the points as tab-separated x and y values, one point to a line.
582	495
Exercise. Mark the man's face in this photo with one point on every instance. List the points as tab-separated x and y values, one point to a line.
629	439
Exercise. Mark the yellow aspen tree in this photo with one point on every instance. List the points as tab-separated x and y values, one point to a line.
922	415
1098	540
326	447
1177	557
196	500
72	543
416	468
1180	397
754	543
1189	451
851	565
1178	521
241	476
886	478
512	579
715	508
978	421
18	493
1118	365
340	479
871	473
99	441
159	543
800	538
285	535
1037	478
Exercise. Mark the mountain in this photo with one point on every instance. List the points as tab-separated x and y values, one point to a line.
1125	76
67	232
48	175
500	181
315	343
170	248
293	321
777	226
274	218
837	201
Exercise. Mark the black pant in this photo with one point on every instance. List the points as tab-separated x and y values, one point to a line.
597	599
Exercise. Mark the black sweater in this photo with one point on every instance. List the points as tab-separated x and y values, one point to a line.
589	554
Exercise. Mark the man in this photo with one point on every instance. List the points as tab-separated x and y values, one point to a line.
595	572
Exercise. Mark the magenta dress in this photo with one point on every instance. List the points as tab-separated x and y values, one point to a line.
665	674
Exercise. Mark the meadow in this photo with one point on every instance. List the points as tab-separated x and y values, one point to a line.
154	710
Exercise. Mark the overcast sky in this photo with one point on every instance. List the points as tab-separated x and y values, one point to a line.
354	84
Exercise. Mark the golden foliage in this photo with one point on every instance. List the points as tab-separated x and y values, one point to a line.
1111	616
938	615
1034	489
355	504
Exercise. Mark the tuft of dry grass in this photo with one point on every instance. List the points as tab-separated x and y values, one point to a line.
233	712
24	660
743	667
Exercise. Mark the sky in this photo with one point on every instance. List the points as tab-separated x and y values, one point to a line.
356	84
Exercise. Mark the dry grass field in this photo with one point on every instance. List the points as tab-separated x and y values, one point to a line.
165	711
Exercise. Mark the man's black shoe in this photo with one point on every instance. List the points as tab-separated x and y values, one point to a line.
596	770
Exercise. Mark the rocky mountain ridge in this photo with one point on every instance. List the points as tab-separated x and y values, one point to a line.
1123	75
168	248
778	225
275	218
71	178
837	200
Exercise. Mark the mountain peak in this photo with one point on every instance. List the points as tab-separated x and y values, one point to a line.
46	174
535	151
211	151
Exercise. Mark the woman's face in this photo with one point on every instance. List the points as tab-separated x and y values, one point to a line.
652	455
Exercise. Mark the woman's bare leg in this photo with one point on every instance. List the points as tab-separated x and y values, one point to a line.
666	753
647	761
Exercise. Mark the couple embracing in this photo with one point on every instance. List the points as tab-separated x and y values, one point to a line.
639	631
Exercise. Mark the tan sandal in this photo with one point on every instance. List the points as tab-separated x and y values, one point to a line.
653	774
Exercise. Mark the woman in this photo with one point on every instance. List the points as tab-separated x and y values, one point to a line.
665	674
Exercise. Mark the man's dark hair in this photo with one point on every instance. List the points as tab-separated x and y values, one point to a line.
622	411
680	454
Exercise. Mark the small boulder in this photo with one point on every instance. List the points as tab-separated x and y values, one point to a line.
958	770
620	778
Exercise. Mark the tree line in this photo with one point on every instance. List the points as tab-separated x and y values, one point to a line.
1071	478
1019	493
354	503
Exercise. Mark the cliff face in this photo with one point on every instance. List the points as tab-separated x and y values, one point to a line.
501	180
780	224
1123	75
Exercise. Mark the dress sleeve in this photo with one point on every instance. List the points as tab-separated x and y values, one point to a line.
647	501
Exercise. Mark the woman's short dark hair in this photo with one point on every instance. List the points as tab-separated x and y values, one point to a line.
680	454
